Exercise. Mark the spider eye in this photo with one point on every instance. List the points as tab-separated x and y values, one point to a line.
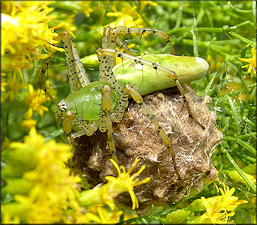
62	106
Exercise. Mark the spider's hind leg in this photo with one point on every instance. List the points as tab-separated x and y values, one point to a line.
139	99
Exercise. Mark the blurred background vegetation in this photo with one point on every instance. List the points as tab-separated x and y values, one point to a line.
222	32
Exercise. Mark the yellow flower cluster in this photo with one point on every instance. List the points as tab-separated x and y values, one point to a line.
24	31
104	195
34	99
45	190
124	182
213	210
251	63
219	208
10	86
126	14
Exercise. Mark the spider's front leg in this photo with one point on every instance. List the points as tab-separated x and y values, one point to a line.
66	123
77	76
76	72
113	32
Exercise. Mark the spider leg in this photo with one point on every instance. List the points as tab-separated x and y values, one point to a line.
139	99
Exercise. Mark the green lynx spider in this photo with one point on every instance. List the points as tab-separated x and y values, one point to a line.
100	103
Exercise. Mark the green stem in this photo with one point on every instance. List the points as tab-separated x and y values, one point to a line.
235	114
253	134
242	143
53	135
239	10
244	23
253	94
218	49
249	158
161	213
254	10
195	44
250	184
208	90
180	11
245	40
226	42
202	29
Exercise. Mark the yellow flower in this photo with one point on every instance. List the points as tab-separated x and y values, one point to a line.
32	140
85	7
102	215
24	28
29	123
220	208
47	190
126	182
24	31
126	14
7	219
251	63
98	198
53	197
3	87
143	4
105	194
67	26
3	82
34	100
125	20
13	85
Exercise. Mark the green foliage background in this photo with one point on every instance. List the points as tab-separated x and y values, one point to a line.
219	31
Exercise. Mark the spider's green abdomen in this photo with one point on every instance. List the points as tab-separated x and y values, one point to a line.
87	101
